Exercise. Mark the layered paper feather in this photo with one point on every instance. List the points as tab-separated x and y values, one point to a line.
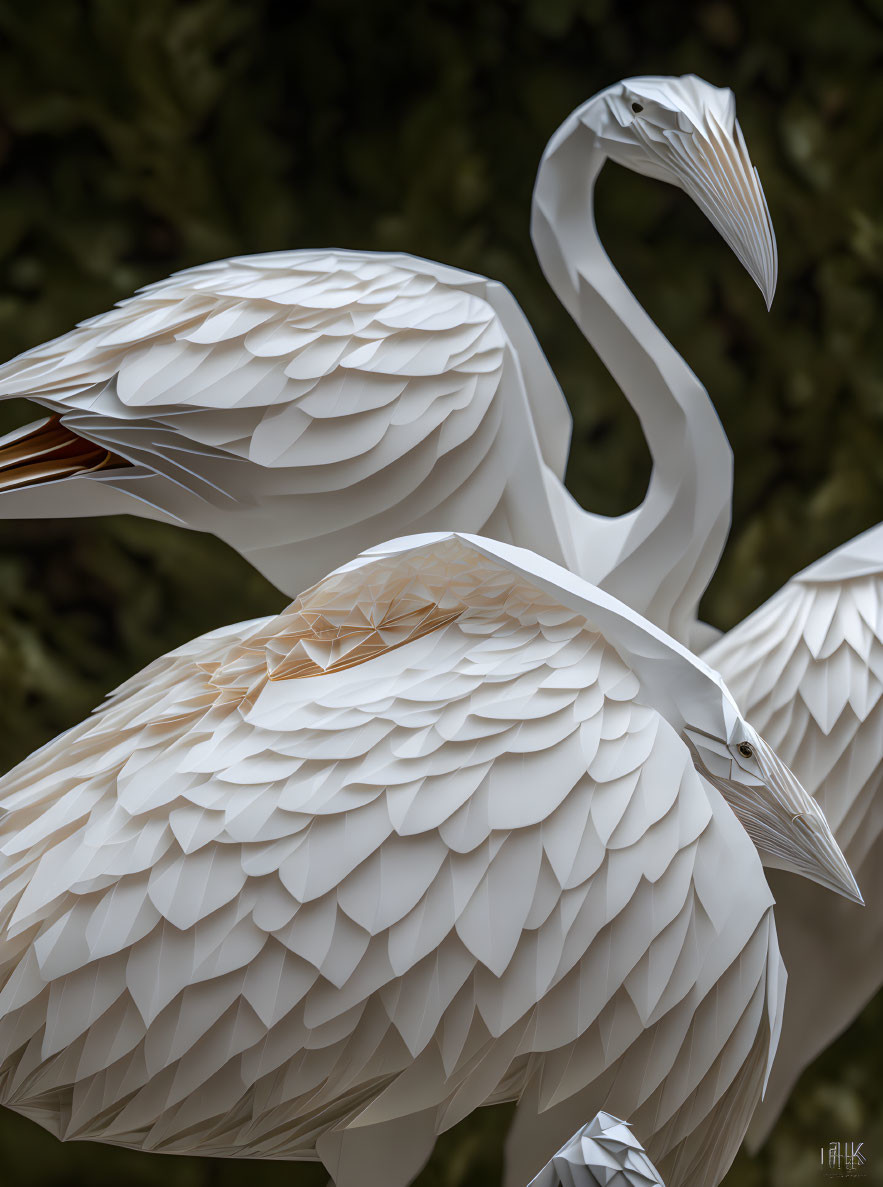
302	405
807	671
265	904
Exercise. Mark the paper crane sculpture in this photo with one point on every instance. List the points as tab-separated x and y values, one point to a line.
604	1153
454	826
305	404
302	403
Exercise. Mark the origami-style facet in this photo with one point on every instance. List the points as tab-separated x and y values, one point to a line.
453	829
807	669
604	1153
302	405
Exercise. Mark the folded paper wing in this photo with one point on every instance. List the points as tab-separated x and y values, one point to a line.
299	404
320	885
604	1153
807	671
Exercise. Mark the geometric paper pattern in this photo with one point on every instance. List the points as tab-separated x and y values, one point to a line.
328	917
49	451
301	405
604	1153
325	641
660	557
298	404
807	670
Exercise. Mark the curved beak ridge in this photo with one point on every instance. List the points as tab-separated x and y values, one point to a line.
806	845
716	171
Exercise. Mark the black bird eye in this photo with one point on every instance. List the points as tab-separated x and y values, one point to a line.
636	107
746	749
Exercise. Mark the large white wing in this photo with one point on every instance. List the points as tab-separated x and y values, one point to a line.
807	672
301	405
325	884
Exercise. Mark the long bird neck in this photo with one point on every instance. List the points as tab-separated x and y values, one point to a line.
660	557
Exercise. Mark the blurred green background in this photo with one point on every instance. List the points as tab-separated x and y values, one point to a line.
140	136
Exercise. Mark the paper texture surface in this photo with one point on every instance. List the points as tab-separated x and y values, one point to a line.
604	1153
249	911
298	405
807	668
302	405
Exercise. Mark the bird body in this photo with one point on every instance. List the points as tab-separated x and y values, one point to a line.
322	884
302	405
299	405
807	671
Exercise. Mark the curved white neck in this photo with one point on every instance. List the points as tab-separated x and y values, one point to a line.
660	557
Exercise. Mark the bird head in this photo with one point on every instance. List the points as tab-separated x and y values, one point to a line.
684	131
786	824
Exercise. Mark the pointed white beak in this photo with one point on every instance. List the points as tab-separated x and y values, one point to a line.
785	823
715	170
807	847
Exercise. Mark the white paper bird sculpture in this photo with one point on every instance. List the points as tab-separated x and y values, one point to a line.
604	1153
455	828
807	669
304	404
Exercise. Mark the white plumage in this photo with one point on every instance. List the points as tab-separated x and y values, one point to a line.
302	405
320	885
299	404
603	1153
807	670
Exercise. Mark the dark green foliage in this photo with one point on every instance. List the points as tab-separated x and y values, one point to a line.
139	136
